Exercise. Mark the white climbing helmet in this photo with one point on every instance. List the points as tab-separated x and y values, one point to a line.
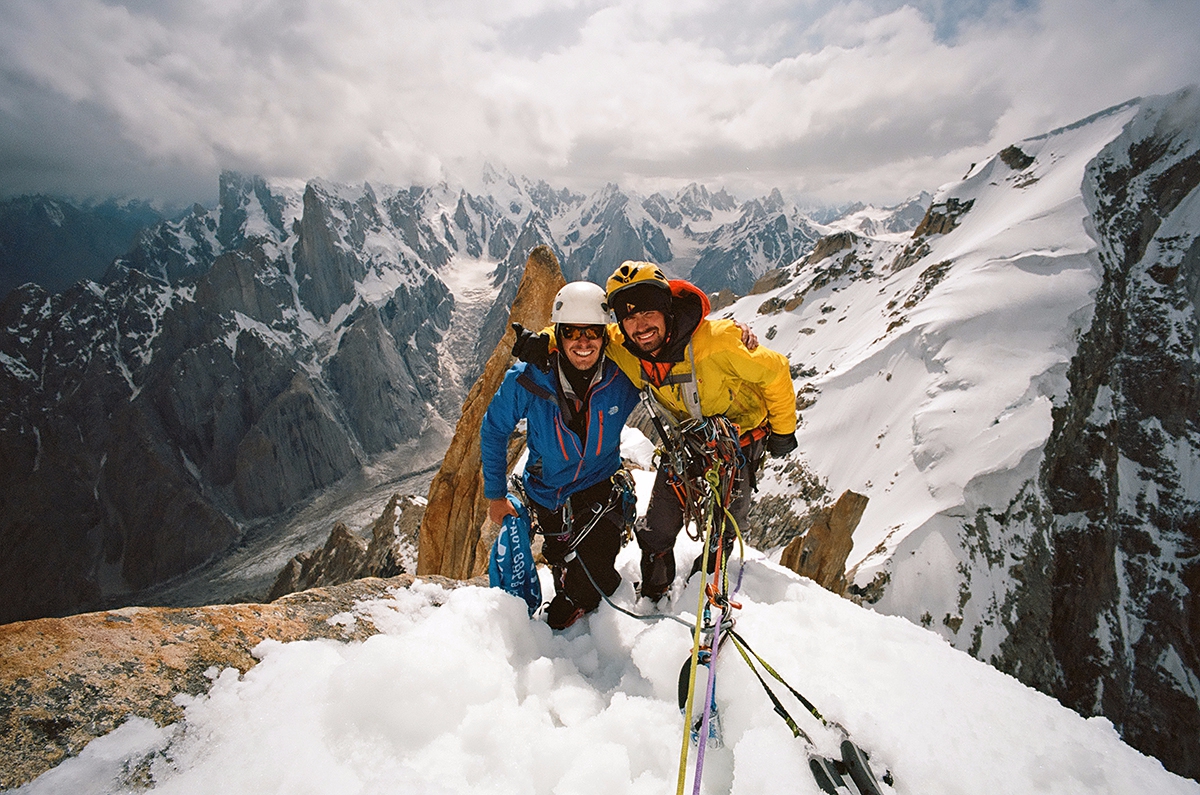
580	304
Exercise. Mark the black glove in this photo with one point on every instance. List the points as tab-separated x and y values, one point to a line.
532	347
780	444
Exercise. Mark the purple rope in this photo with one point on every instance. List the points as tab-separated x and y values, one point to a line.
702	740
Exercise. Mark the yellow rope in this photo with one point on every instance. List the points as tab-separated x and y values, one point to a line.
712	477
687	715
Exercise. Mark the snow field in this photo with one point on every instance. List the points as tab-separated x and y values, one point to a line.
462	693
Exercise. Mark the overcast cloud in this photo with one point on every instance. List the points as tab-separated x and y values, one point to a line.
872	100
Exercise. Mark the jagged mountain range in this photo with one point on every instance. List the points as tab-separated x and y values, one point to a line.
236	361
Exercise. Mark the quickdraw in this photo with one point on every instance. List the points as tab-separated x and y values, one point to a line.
846	776
690	450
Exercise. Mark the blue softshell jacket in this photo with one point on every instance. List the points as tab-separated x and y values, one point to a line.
560	463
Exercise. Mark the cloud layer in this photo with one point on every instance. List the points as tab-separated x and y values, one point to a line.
872	100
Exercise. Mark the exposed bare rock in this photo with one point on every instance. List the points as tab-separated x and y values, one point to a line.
67	681
722	298
295	448
773	279
830	245
347	557
1015	159
941	218
820	554
450	531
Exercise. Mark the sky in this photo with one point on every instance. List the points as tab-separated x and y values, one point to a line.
463	693
871	100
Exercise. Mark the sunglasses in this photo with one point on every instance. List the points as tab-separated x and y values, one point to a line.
587	332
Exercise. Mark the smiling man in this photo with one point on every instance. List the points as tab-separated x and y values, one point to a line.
575	407
695	368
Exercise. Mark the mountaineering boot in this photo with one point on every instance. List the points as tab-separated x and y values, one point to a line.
658	572
726	542
562	612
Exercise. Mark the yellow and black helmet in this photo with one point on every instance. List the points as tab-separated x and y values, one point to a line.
638	287
631	272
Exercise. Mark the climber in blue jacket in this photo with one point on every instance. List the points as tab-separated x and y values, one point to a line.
574	411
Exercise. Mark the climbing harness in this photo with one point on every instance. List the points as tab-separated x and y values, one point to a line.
690	450
621	494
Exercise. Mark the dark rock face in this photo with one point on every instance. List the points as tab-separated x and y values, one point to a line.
94	478
295	448
508	276
611	239
1101	556
767	232
325	271
942	218
233	363
377	390
150	418
1127	643
346	557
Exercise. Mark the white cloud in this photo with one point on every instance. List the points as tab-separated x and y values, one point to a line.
871	100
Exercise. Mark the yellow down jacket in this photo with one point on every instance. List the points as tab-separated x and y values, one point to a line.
752	388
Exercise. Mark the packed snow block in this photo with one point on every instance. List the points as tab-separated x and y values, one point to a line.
67	681
820	554
450	530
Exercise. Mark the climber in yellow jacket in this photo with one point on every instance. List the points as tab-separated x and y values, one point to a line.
663	340
663	336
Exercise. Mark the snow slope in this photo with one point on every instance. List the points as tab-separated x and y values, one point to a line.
936	361
463	693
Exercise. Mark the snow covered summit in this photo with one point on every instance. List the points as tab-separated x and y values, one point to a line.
461	692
